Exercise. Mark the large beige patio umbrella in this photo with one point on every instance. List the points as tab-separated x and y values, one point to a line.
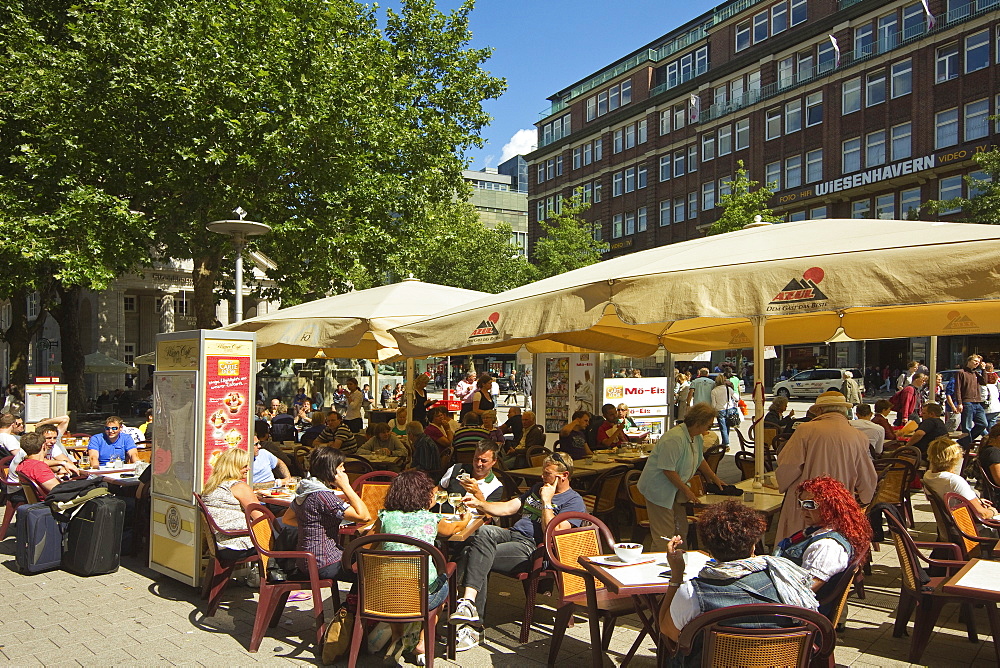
766	285
353	325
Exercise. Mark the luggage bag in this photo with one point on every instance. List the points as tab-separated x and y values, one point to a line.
39	539
94	537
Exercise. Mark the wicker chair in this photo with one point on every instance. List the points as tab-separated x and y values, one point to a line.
356	466
910	453
392	587
894	478
834	600
536	454
968	522
273	596
31	491
746	464
563	548
640	529
218	572
807	638
957	525
301	455
601	496
917	591
988	490
714	455
10	506
372	487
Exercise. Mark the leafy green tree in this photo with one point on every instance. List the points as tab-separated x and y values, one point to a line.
305	113
743	203
984	204
457	249
567	241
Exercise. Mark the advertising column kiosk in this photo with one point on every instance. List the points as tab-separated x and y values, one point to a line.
203	403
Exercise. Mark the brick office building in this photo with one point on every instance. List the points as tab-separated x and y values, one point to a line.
889	122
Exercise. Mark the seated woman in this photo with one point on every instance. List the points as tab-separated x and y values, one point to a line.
407	513
490	424
945	457
729	531
398	424
776	418
837	531
989	455
383	442
319	511
226	494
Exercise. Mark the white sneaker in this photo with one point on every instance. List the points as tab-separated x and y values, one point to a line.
467	639
465	612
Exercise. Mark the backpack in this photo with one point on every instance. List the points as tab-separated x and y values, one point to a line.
896	400
425	454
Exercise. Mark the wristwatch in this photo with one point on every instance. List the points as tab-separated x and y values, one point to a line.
549	506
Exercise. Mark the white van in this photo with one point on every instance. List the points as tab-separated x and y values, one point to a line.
814	382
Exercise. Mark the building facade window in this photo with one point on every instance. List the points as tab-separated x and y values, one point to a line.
708	195
725	145
679	209
977	51
708	146
665	122
665	213
692	205
597	192
772	124
793	116
901	147
742	134
818	213
772	176
946	128
779	18
875	89
851	155
793	171
679	162
977	124
640	219
630	179
885	207
629	223
617	183
950	187
618	143
875	148
692	158
861	208
640	130
851	96
901	79
128	303
799	12
814	109
665	167
617	226
909	200
814	166
946	63
640	177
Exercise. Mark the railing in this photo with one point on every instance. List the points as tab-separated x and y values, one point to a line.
876	49
731	10
844	4
695	72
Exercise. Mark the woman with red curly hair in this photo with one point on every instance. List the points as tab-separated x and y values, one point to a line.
837	530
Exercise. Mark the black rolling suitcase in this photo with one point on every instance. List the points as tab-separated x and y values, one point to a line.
39	539
94	537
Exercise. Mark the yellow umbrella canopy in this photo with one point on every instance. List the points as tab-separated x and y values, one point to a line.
874	278
352	325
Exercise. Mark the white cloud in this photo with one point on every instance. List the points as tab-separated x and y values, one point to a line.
522	142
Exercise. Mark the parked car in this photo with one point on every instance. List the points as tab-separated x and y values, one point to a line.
814	382
743	386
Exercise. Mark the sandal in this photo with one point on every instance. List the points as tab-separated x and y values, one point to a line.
299	596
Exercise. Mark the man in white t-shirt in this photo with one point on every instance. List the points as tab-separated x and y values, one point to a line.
58	458
874	432
8	438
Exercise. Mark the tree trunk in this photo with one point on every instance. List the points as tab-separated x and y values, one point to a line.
67	314
205	275
18	337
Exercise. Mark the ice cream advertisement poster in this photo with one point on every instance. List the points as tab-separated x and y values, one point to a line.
228	404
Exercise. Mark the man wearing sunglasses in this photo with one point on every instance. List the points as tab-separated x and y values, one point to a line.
111	443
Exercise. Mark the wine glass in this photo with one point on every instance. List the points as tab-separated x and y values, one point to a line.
439	498
454	500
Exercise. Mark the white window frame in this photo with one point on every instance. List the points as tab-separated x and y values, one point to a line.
793	116
946	65
772	124
984	37
885	206
772	174
742	134
898	134
814	166
875	153
976	120
666	209
946	121
901	78
908	200
852	153
793	167
802	8
814	102
724	146
617	184
665	168
861	208
850	91
708	195
617	226
708	146
875	88
640	219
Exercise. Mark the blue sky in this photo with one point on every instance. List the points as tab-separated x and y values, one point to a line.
542	46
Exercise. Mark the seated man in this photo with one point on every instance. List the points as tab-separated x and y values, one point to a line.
930	428
283	424
111	443
510	550
468	436
337	435
480	481
33	467
57	457
611	433
383	442
265	464
513	425
874	432
534	434
315	428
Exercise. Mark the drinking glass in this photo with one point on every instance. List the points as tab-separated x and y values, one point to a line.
439	498
454	500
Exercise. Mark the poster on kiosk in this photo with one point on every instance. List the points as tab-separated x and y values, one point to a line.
646	399
203	404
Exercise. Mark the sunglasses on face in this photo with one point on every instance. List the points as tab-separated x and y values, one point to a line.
808	504
112	428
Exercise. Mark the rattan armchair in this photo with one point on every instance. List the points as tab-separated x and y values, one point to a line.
274	595
968	523
372	487
536	454
714	455
805	637
393	587
987	489
601	496
640	528
218	571
921	592
958	525
563	549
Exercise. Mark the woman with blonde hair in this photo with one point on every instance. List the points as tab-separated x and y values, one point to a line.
945	457
226	494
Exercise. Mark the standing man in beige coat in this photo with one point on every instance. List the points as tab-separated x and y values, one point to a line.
826	445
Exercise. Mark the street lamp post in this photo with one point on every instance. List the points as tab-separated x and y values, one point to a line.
238	231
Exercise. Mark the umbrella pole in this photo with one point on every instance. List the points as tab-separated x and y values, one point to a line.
932	369
411	378
376	390
671	386
758	397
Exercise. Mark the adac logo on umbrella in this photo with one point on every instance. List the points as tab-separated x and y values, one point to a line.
739	338
487	330
960	321
804	291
